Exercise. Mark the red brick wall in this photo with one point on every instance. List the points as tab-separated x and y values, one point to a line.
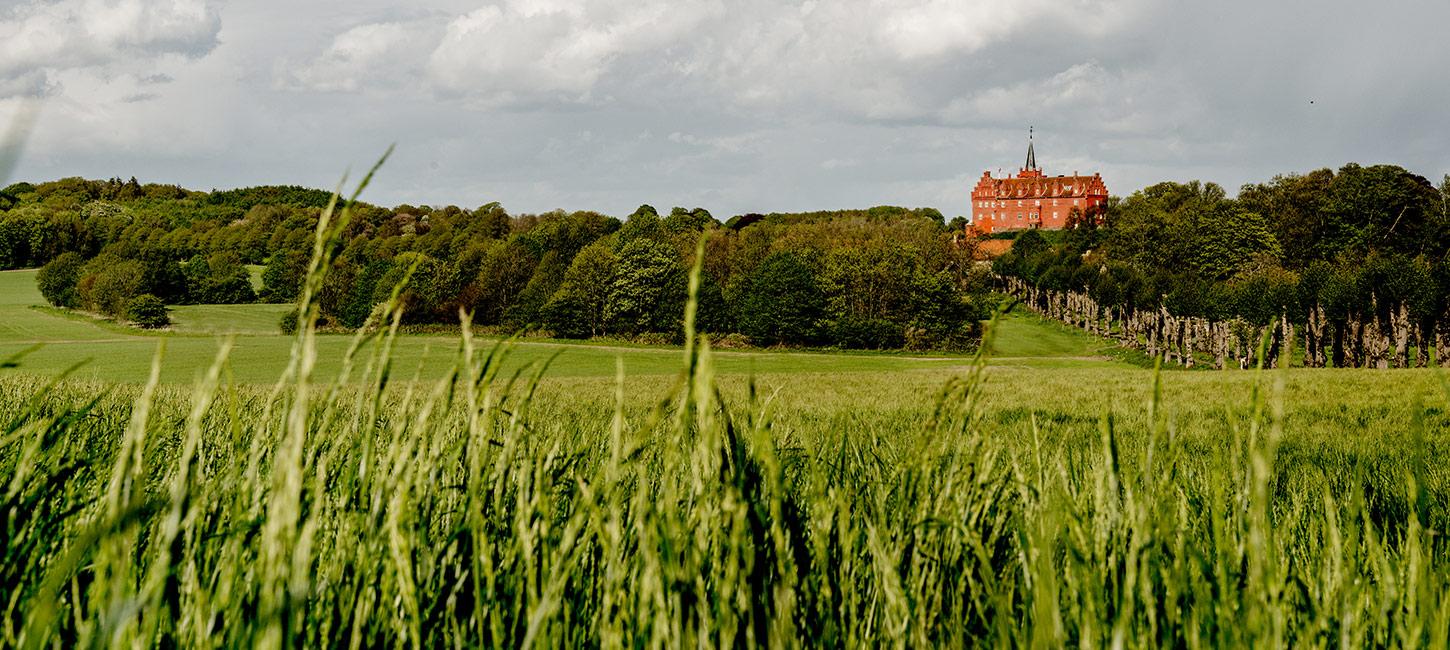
1031	200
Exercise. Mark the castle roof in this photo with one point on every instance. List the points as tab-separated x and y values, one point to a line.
1040	187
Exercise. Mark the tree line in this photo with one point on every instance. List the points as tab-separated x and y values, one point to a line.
1347	267
884	277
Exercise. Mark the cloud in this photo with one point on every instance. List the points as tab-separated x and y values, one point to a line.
524	51
39	38
736	105
374	55
860	59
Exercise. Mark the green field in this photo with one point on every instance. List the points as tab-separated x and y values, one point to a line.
112	352
1052	496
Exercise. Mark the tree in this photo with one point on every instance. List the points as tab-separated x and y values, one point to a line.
781	302
147	311
647	290
420	298
643	223
109	283
283	276
686	221
57	280
1028	243
578	308
217	279
493	220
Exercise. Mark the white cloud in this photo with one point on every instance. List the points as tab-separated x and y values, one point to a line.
39	38
370	55
532	50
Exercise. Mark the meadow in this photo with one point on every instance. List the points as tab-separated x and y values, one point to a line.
244	488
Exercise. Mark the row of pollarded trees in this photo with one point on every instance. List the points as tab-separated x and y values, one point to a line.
1381	312
1354	265
1183	340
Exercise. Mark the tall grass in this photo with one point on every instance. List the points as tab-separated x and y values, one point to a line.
475	511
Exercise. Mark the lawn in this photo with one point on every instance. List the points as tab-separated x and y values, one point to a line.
112	352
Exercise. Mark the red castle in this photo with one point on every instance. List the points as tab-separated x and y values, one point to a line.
1031	200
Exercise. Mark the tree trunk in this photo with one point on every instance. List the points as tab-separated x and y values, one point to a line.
1336	351
1442	340
1400	329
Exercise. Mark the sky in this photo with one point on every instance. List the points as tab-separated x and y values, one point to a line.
738	106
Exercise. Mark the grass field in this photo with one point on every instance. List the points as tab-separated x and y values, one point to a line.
1051	496
118	353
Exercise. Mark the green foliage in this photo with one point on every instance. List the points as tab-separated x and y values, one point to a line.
781	302
288	324
644	223
506	271
854	510
147	311
647	289
57	280
578	308
108	284
218	279
1029	243
282	277
682	221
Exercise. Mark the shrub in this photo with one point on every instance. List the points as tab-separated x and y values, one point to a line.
147	311
57	280
288	322
109	283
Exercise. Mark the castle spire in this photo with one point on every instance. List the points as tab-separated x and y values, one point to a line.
1031	155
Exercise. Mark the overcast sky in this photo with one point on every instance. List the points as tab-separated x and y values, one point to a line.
735	106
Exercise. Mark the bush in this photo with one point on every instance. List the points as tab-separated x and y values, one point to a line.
109	283
288	323
147	311
57	280
866	334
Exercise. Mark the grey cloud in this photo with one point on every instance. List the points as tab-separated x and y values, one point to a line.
753	105
42	38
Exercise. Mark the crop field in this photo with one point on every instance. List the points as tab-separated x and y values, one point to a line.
1052	492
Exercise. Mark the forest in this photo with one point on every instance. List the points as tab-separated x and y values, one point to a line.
884	277
1354	262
